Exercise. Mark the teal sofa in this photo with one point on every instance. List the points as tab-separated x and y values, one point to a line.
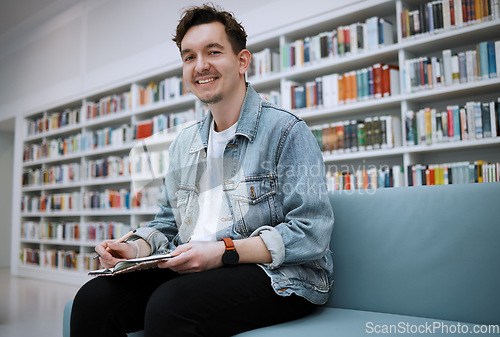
408	262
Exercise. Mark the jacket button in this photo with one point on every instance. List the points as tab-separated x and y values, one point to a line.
188	221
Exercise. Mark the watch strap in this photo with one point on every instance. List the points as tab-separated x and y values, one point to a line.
229	244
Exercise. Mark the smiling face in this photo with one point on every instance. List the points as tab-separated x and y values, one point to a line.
211	69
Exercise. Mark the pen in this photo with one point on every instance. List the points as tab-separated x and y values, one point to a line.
123	238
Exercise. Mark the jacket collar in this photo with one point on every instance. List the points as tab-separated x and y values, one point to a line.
248	121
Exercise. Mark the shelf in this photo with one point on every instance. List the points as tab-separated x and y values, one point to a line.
185	101
384	103
458	36
453	91
56	242
340	64
68	129
52	186
463	144
106	181
52	274
50	214
65	158
396	106
397	151
113	118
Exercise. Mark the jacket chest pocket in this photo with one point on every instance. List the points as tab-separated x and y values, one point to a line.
254	204
187	207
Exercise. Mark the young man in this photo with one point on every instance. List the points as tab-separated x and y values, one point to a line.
244	211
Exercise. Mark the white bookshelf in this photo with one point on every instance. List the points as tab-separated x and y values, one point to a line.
397	105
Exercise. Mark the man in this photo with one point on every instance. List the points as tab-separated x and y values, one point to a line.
244	212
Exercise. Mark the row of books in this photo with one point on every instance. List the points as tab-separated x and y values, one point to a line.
112	136
109	167
365	178
162	91
50	202
59	259
149	164
50	258
108	105
147	197
474	120
37	230
379	80
264	62
166	123
453	173
108	136
59	174
107	199
81	142
51	121
442	15
343	40
53	148
273	96
73	231
372	133
481	63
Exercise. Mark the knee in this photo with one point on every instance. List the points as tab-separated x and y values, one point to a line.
168	308
91	296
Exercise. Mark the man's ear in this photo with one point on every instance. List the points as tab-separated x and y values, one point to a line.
244	58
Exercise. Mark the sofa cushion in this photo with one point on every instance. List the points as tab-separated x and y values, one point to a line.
430	251
325	321
331	322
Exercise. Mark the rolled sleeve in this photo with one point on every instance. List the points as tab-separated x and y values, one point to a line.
274	243
156	240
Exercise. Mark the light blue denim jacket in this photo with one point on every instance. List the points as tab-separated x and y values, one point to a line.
273	186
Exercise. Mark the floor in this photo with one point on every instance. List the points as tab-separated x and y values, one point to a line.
32	307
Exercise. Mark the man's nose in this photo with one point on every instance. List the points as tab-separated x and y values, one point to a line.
202	64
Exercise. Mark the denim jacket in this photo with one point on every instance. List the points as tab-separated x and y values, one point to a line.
273	186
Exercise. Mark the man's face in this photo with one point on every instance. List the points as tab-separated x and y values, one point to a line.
210	67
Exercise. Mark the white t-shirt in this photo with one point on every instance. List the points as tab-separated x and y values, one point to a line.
211	185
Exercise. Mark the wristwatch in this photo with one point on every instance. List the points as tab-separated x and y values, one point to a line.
230	257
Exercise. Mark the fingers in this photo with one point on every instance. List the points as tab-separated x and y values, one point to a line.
111	253
195	257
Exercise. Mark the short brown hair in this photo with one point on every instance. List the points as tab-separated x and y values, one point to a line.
208	13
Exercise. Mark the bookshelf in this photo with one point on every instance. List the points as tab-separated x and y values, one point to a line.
99	132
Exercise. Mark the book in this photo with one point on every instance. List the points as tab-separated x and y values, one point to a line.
132	265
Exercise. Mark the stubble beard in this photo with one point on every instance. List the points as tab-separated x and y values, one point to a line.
212	100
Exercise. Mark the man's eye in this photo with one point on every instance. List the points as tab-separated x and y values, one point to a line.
214	52
188	58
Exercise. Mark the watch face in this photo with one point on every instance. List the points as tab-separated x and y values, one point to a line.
230	258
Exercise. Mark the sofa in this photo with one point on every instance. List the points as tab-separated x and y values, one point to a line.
408	261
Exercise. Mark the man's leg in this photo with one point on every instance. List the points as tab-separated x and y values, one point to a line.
113	305
219	302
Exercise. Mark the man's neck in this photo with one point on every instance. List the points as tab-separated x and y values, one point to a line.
227	112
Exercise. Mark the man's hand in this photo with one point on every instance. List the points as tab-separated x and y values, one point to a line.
198	256
117	252
195	257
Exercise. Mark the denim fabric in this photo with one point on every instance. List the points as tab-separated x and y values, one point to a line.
273	186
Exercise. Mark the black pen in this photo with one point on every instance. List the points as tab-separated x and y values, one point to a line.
123	238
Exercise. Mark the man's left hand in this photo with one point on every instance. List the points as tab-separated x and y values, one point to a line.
195	256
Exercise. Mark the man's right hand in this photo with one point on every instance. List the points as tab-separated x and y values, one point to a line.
111	253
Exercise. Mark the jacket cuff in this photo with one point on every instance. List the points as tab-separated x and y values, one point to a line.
155	239
274	243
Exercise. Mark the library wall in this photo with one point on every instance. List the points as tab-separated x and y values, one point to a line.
6	154
99	44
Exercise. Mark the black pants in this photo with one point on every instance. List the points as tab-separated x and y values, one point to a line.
218	302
